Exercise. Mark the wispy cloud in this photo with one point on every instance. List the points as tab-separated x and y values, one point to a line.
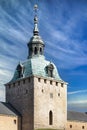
66	41
66	48
76	92
14	35
80	102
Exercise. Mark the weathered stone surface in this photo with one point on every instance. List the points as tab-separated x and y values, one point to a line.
35	98
76	125
21	97
9	123
43	104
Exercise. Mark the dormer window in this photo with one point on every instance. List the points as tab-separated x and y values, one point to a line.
35	50
20	70
50	68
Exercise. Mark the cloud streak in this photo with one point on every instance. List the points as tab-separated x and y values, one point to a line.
77	92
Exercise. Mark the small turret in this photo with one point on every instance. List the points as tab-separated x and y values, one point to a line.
36	44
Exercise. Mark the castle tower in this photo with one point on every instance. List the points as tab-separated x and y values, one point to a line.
36	89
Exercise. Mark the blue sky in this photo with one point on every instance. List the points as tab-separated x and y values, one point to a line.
62	26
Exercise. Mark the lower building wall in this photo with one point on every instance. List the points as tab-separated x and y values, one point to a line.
76	125
9	123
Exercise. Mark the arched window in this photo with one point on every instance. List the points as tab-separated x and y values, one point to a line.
35	50
50	68
50	118
20	70
41	51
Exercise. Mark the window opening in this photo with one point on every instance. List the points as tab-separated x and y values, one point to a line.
9	86
35	50
49	70
13	84
83	127
51	95
28	79
42	90
50	118
45	80
51	82
26	92
39	79
20	70
14	121
56	83
18	82
24	81
58	94
41	51
61	84
70	126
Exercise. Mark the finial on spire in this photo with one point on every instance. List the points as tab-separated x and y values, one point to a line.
35	31
35	8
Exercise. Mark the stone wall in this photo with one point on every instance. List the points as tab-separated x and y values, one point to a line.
35	97
20	95
49	95
76	125
9	122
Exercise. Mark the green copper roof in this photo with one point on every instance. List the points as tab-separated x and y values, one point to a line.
36	39
36	66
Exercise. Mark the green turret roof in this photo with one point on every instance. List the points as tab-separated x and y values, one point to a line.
36	66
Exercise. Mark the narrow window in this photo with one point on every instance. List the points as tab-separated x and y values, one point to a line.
51	82
39	79
49	70
9	86
13	84
18	82
26	92
61	84
24	81
56	83
45	80
14	121
28	79
41	51
20	70
70	126
51	73
83	127
42	90
58	94
51	95
35	50
50	118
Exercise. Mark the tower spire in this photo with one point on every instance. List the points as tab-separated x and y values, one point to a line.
35	31
36	44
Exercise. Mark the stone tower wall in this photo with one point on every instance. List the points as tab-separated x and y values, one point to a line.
20	95
34	98
49	96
